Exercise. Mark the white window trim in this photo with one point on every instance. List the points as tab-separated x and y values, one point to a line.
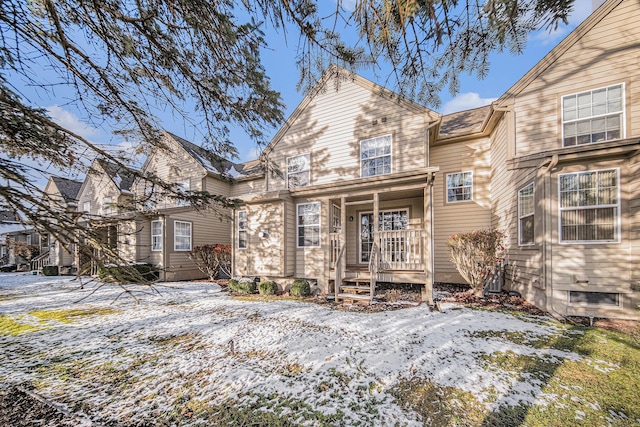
390	135
532	214
618	216
107	206
622	114
596	305
471	192
242	229
319	225
380	212
175	235
308	170
86	207
155	235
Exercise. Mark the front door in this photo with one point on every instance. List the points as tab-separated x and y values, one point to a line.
389	220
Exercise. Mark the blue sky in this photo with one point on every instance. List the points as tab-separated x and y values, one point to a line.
279	61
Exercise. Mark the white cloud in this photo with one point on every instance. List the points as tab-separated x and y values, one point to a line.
251	154
348	5
70	121
466	101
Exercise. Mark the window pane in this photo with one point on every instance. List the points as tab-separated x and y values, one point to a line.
459	186
375	155
298	171
594	298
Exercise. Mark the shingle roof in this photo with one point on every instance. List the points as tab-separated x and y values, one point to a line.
68	188
8	217
464	122
214	163
120	176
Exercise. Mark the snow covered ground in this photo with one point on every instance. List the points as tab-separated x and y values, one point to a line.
118	359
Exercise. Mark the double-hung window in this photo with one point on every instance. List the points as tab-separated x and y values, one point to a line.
183	187
156	235
242	229
593	116
308	224
86	207
182	236
526	211
375	156
589	206
459	187
298	171
107	206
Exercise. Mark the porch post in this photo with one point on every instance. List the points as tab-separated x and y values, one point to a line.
427	290
342	264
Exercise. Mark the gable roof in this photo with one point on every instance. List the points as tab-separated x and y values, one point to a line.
121	177
464	122
335	71
549	59
68	188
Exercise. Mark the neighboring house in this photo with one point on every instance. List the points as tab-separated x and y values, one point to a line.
9	223
172	226
106	202
61	194
348	188
565	167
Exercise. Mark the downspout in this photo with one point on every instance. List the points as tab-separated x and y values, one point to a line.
164	247
432	257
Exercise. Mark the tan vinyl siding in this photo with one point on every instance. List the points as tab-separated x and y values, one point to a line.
451	218
330	129
263	256
254	186
312	262
606	55
289	238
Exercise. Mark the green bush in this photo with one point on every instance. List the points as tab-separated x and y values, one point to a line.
133	273
300	288
243	286
268	288
50	270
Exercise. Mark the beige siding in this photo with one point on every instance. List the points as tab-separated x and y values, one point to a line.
263	256
330	129
96	187
606	55
243	188
451	218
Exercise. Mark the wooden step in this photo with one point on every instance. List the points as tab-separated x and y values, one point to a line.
355	288
354	298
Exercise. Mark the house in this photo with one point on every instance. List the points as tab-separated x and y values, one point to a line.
60	195
106	202
565	171
363	186
172	225
9	223
346	199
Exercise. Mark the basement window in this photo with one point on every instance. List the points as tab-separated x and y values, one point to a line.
594	298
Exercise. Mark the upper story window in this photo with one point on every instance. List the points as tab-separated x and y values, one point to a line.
107	206
589	206
242	229
29	239
298	171
459	187
156	235
182	236
526	211
375	156
593	116
86	207
308	222
183	187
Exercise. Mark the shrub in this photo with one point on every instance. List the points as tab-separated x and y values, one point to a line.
212	260
268	288
477	255
50	270
243	286
300	288
132	273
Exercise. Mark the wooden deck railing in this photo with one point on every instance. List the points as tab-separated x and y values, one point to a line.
338	271
40	261
401	249
335	247
374	267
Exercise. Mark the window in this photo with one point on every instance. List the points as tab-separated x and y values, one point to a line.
242	229
183	187
594	298
593	116
459	187
107	206
375	156
298	171
308	225
182	236
156	235
589	206
28	239
526	210
86	207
